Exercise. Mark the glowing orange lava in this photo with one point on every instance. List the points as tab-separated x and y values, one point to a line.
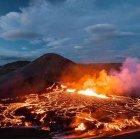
87	92
80	127
91	92
71	90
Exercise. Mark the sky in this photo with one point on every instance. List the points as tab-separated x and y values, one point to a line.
85	31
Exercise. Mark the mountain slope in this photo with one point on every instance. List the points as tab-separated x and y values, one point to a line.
35	76
12	67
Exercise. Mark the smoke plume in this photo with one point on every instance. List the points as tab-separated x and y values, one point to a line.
124	82
128	79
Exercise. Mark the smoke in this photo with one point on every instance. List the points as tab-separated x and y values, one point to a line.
128	79
124	82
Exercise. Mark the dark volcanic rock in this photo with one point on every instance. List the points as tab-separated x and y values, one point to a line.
23	133
5	69
35	76
131	135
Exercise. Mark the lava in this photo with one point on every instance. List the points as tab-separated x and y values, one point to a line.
90	107
90	92
75	113
81	127
87	92
71	90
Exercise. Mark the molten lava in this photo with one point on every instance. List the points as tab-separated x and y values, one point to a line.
87	92
81	127
90	92
71	90
62	112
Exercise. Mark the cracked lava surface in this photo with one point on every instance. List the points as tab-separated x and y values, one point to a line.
71	115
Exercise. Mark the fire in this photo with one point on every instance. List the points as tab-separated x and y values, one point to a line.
87	92
90	92
91	85
103	83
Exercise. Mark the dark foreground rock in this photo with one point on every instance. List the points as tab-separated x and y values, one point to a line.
31	133
131	135
23	133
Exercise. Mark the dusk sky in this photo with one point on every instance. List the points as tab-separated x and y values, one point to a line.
81	30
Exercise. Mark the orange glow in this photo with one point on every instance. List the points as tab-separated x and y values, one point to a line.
90	92
98	86
91	85
27	124
88	116
71	90
80	127
87	92
101	84
63	86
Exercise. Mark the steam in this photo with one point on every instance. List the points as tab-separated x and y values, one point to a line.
128	79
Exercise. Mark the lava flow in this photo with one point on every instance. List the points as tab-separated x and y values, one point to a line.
68	113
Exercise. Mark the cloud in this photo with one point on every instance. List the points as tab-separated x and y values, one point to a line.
44	18
100	28
77	47
36	41
24	48
48	19
56	42
107	34
106	31
19	35
62	26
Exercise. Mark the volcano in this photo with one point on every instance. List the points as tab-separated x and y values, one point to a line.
50	98
26	77
35	76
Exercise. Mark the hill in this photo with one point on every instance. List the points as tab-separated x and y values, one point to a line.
34	76
31	77
12	66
